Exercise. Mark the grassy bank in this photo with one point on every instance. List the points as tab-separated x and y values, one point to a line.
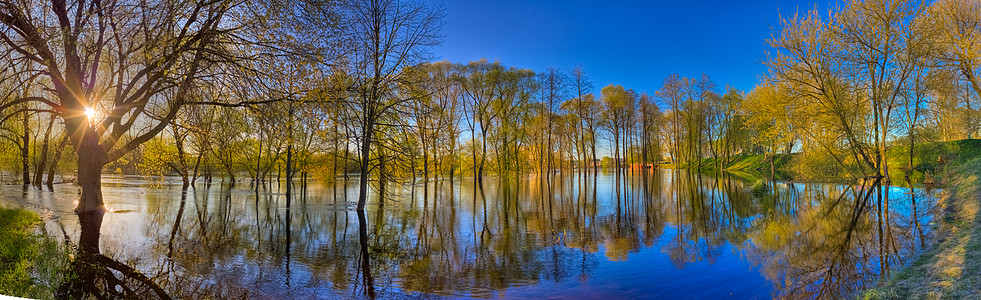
754	164
951	268
930	162
31	264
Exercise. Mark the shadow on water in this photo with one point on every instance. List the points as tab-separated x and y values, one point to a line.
650	234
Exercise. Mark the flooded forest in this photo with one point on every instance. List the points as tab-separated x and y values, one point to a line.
327	149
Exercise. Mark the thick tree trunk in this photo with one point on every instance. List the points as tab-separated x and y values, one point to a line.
91	159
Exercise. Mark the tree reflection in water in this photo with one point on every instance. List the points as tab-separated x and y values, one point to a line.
93	274
659	234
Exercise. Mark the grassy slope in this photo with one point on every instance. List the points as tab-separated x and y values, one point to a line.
30	262
951	269
750	165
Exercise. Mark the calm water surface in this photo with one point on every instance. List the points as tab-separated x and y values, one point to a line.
667	234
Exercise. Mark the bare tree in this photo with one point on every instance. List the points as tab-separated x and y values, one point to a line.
384	36
581	86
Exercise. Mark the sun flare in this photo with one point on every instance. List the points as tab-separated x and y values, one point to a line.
90	113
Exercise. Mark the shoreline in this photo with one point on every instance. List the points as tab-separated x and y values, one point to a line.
950	268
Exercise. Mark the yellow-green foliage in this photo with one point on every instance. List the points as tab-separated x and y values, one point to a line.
157	155
934	159
30	263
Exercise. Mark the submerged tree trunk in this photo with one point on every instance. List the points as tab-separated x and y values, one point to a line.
91	159
289	171
592	163
483	157
54	161
365	166
42	159
24	151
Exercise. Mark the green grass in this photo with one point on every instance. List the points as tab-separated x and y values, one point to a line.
749	166
30	263
930	162
951	268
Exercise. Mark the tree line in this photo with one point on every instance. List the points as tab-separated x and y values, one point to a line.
316	88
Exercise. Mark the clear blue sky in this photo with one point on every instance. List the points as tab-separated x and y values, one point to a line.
631	43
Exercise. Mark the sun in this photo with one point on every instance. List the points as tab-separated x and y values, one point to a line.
90	113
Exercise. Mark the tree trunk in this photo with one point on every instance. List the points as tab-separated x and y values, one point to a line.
909	169
54	161
365	153
258	164
197	163
25	151
43	158
593	162
483	157
182	162
773	169
91	159
289	170
885	162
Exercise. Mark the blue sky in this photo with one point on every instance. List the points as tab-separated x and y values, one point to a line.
631	43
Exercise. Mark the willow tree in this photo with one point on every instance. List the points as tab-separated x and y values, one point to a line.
513	91
873	35
848	68
112	66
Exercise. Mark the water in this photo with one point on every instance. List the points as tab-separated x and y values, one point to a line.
669	234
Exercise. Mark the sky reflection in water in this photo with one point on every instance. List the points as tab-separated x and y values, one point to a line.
663	235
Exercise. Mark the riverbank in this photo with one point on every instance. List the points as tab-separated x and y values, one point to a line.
951	268
931	162
31	263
